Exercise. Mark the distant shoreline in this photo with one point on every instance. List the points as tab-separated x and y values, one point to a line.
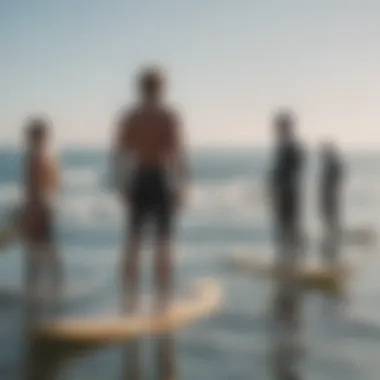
201	148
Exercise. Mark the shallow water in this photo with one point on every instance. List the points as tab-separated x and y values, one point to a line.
225	210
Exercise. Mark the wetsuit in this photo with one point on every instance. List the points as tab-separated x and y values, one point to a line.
285	183
331	178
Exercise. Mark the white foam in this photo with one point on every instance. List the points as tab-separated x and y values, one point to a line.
236	196
95	209
81	179
9	193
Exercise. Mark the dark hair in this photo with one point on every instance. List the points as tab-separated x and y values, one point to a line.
150	82
284	118
37	129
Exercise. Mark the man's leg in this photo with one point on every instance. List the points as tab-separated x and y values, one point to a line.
130	300
165	364
31	271
163	273
31	281
285	244
52	257
130	286
130	261
130	274
163	258
330	238
131	361
56	270
287	234
55	273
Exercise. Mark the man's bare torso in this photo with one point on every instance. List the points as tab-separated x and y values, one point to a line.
42	177
148	133
41	187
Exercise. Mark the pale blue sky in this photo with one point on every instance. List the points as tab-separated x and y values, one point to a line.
231	62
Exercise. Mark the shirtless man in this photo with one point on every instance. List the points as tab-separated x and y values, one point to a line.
41	186
150	147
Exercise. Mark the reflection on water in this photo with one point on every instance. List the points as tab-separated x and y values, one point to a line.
164	363
287	306
46	359
287	303
286	317
131	361
166	358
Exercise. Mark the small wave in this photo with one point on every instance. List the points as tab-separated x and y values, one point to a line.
81	179
9	193
206	201
89	210
228	196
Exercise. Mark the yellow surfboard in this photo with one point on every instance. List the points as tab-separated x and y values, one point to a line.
204	302
307	276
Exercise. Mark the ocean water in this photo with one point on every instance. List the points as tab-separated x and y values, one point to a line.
226	209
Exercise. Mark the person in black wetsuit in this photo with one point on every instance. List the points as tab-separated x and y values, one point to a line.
285	188
330	196
285	185
150	163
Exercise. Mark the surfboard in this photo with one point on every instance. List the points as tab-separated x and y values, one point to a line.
361	236
351	237
204	301
308	276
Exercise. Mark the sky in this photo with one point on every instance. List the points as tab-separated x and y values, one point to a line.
230	64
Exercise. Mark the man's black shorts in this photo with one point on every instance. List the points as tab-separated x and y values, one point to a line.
40	226
151	197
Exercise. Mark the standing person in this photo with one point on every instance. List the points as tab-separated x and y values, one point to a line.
149	155
285	187
42	181
330	196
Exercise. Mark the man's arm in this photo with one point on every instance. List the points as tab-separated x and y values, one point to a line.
272	174
119	147
180	157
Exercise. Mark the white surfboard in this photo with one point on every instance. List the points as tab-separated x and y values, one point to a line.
309	275
104	330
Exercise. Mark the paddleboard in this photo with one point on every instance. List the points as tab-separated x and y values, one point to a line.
307	276
359	236
351	237
204	302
